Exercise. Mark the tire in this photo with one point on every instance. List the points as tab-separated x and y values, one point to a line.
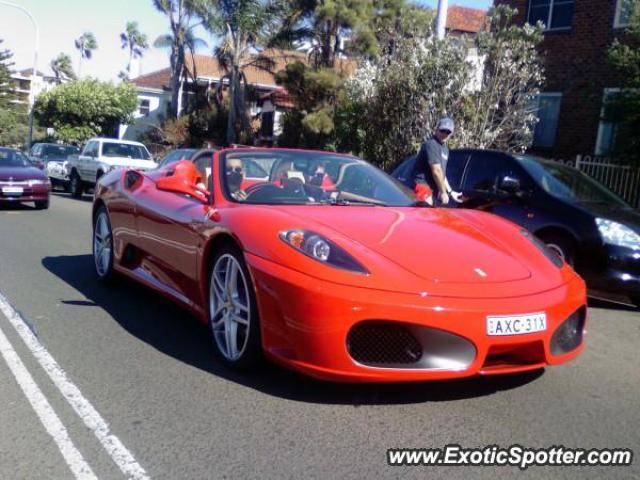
103	245
75	185
42	204
233	313
561	245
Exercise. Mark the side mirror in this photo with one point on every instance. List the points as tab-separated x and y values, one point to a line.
509	184
178	184
423	193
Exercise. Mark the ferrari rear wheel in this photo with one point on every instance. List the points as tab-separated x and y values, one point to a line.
233	314
103	245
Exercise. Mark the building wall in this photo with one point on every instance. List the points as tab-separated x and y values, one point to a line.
576	66
158	102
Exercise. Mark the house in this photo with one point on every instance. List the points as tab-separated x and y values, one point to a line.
579	79
154	91
465	21
27	86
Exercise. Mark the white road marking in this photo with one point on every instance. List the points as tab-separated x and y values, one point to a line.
89	415
43	409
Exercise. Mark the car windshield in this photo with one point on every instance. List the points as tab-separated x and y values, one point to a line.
174	156
59	151
309	178
568	183
112	149
13	158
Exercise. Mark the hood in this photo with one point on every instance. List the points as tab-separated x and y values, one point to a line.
21	173
625	216
433	244
129	162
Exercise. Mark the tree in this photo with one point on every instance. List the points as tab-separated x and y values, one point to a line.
315	92
62	68
85	44
135	41
13	116
241	26
85	108
393	103
181	38
623	109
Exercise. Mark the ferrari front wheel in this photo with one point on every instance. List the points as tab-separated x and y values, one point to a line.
233	315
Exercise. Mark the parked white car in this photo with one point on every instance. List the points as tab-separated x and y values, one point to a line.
101	155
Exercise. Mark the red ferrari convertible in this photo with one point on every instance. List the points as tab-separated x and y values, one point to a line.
324	264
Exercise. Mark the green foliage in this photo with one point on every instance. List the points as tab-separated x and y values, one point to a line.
135	41
315	92
85	108
6	82
391	105
62	68
623	109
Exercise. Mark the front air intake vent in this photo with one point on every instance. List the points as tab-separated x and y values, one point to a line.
383	344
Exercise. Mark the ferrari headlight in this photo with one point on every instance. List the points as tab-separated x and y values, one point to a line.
615	233
546	251
322	249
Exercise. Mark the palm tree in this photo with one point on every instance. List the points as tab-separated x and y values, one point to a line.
181	37
62	69
135	41
241	26
85	44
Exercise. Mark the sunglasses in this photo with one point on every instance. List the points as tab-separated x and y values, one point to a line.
445	132
234	169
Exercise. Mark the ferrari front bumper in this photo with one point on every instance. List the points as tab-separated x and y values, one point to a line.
308	324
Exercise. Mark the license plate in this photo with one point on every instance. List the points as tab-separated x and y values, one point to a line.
516	324
12	190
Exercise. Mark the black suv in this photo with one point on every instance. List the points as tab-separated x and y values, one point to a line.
582	221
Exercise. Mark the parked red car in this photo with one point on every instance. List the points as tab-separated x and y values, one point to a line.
20	181
328	266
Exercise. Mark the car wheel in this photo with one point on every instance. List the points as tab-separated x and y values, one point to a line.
75	185
561	246
233	313
42	204
103	245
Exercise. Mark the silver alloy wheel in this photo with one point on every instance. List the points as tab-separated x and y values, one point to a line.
102	244
229	307
557	250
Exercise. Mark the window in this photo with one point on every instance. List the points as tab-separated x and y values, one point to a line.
91	150
145	107
455	167
624	11
607	129
555	14
547	107
486	169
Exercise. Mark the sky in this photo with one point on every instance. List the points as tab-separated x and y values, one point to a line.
62	21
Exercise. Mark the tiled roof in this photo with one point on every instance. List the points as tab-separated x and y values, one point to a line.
464	19
207	66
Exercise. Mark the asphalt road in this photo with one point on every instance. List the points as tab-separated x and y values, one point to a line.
146	368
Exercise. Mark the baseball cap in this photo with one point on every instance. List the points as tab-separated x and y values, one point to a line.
445	123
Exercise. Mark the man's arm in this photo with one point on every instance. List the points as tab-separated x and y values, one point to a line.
441	182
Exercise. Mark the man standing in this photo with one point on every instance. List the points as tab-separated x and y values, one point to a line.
431	163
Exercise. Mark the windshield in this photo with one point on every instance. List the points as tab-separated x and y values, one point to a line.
13	158
181	154
568	183
309	178
139	152
59	151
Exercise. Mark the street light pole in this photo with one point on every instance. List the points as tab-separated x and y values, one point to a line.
441	21
35	66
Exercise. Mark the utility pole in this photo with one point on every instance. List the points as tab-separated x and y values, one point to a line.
34	72
441	21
